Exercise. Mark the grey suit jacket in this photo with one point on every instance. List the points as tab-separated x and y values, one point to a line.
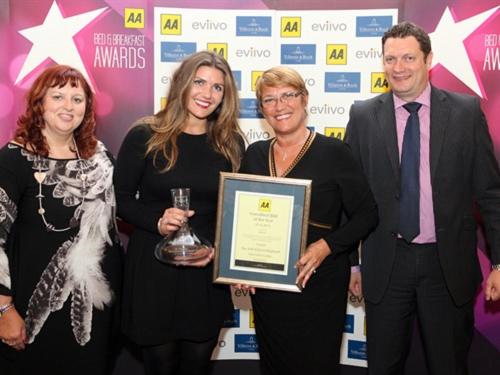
464	172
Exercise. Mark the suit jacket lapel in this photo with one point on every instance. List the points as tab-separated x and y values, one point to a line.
440	111
387	123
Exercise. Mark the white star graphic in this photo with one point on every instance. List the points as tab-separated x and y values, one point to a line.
449	50
54	39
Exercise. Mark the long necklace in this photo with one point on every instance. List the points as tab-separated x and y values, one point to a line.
40	177
285	153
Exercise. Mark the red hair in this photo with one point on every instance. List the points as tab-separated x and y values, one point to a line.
31	123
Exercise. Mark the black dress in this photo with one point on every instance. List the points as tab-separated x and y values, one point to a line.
300	333
64	284
163	302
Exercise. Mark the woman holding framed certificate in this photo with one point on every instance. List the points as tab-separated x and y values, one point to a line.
301	332
174	313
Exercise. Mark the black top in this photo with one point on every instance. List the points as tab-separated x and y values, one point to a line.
64	284
338	185
163	302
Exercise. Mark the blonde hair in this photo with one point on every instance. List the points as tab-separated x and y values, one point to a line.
223	130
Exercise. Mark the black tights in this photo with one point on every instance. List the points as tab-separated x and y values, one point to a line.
178	357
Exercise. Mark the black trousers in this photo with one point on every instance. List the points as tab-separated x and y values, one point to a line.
179	357
417	288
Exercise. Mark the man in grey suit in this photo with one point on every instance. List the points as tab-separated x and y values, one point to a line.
429	159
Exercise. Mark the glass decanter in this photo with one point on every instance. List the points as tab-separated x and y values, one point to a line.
182	247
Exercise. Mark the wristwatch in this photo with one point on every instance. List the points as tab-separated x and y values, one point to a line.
5	308
495	267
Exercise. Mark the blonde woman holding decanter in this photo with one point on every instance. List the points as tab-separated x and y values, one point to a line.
60	261
174	313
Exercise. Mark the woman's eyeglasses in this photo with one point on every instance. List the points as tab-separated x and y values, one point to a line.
285	98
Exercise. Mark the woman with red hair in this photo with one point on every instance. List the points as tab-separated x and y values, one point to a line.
59	253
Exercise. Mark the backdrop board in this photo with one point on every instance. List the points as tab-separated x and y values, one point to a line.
338	52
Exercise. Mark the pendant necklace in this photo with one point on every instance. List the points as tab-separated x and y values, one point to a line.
283	151
272	162
40	177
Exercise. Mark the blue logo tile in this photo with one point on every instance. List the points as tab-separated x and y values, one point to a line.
245	344
349	323
176	51
234	322
249	108
298	54
253	26
372	25
356	349
342	82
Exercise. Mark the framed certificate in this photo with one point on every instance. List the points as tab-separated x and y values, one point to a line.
261	230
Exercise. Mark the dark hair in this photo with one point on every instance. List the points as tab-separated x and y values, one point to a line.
406	29
31	122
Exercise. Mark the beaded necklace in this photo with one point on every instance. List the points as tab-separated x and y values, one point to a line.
40	177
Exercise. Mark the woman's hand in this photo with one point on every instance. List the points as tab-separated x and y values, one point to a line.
12	330
205	260
307	264
355	286
172	219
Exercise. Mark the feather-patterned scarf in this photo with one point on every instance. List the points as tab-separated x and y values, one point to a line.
75	268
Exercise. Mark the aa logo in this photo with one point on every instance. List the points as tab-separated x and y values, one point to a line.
335	132
251	322
163	102
256	74
379	83
171	24
134	18
290	27
336	54
218	48
264	205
